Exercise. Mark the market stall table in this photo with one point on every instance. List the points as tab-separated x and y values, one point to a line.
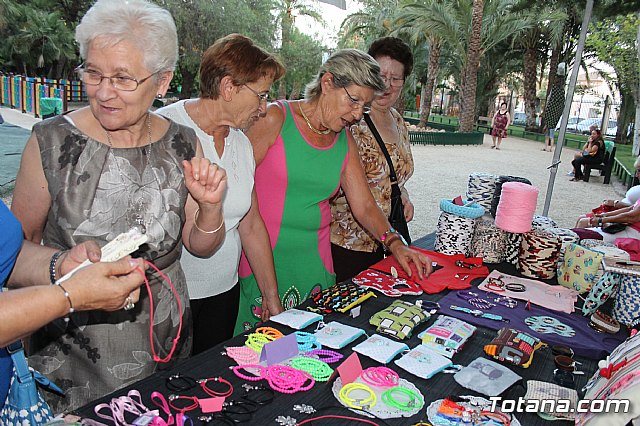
212	364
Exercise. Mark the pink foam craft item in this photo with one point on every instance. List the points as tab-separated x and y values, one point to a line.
516	208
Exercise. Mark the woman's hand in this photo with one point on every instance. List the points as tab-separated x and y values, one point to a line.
270	306
206	182
78	254
106	286
408	208
406	255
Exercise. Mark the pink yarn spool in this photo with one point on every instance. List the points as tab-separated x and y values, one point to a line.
516	208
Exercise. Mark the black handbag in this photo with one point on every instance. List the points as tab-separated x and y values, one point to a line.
396	216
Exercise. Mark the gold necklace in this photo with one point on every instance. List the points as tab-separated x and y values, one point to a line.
313	129
137	210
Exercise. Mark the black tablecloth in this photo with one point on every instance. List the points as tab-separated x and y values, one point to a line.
212	363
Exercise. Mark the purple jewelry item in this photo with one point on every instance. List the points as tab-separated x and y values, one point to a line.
325	355
467	295
480	303
505	301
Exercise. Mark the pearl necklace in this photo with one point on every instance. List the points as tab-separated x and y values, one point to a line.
313	129
138	208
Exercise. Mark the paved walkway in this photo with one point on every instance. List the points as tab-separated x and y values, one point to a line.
442	172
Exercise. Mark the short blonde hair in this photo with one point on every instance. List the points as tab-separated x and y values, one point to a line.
146	25
348	66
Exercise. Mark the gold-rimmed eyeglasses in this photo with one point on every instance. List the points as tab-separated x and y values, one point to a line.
392	81
356	103
119	82
264	97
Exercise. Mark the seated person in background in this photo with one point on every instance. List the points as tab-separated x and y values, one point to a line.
632	195
629	216
584	147
593	154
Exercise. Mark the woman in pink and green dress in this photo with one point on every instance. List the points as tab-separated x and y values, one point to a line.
304	156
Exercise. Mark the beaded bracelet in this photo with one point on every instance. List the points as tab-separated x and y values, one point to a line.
480	303
242	355
257	340
238	368
205	388
414	400
66	294
307	342
358	403
325	355
52	266
319	370
382	377
288	380
270	331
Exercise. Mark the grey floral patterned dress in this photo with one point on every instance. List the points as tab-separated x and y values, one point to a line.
97	193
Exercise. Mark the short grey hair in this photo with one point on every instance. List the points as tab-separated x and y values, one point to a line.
146	25
348	66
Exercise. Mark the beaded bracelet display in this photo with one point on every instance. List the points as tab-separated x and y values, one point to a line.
257	340
242	355
414	400
210	392
325	355
319	370
480	303
358	403
270	331
307	342
237	370
505	301
382	377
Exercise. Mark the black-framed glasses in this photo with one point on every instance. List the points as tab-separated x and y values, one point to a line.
392	81
264	97
124	83
355	103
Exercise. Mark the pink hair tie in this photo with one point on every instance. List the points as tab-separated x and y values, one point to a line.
382	377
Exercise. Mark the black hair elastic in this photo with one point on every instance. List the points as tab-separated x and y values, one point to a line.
179	383
258	394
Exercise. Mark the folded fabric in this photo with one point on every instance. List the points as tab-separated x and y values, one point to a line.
486	377
447	335
387	284
399	319
380	348
296	319
448	276
631	246
585	342
424	362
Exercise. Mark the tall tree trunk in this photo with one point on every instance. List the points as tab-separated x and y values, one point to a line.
400	104
467	115
426	97
636	97
188	80
553	74
529	64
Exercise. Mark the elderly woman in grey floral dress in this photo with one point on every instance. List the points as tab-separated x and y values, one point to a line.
104	169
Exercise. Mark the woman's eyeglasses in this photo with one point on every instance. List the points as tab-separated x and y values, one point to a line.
356	103
392	81
124	83
264	97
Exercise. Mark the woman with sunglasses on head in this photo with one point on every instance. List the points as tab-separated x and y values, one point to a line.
353	248
233	95
304	154
102	170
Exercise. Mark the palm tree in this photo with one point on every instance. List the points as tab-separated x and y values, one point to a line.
375	20
470	73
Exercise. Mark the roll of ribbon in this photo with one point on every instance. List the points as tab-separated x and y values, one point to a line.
539	254
489	242
481	188
516	208
543	222
501	180
454	234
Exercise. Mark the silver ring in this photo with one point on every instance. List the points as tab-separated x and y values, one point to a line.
129	305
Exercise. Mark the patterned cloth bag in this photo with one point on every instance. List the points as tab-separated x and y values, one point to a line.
514	347
579	268
340	297
399	319
24	404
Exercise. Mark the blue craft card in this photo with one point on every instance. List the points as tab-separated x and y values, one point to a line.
280	349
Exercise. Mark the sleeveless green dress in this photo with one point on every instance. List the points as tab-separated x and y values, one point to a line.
294	183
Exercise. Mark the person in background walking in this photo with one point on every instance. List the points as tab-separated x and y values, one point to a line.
499	125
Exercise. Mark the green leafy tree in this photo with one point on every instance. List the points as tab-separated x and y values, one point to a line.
302	56
616	42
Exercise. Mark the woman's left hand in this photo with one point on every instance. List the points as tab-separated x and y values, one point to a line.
205	181
270	306
408	208
405	255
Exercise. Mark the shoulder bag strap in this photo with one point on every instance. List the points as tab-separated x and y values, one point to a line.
374	131
16	350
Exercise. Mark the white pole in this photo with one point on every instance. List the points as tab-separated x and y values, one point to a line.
567	106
